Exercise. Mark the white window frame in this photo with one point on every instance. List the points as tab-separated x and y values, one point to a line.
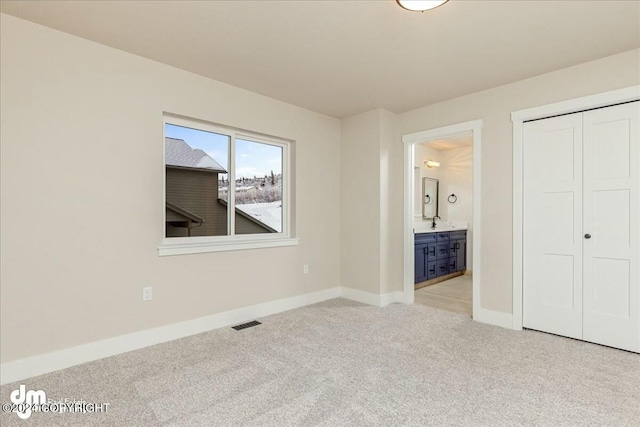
232	241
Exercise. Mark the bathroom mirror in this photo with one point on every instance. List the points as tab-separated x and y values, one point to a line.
429	198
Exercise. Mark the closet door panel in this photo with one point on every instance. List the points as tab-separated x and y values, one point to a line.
552	243
611	217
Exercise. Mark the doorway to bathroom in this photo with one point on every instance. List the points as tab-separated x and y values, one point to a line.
443	223
442	218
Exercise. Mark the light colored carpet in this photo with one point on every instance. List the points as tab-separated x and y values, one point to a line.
341	363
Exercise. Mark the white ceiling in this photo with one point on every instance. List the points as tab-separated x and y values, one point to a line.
345	57
458	141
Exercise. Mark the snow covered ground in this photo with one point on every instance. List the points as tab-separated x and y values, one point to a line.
268	213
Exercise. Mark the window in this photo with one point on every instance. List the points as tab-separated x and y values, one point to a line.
225	189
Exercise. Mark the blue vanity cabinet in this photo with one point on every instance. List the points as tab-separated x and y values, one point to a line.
442	267
430	260
425	255
420	272
457	251
442	245
439	254
432	272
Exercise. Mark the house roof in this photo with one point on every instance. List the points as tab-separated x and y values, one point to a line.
178	213
180	154
249	217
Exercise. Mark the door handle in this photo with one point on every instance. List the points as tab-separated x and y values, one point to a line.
587	236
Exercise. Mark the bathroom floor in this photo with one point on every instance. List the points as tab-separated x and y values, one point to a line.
452	295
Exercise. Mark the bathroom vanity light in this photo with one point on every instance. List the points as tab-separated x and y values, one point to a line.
432	164
420	5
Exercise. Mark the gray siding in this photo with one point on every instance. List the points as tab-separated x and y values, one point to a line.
197	192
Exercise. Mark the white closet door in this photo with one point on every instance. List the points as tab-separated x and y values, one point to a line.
611	218
552	245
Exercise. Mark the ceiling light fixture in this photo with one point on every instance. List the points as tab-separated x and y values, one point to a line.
420	5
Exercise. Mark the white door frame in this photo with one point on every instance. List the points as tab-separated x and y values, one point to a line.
409	141
518	118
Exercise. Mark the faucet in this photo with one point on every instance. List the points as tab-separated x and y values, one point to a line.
433	225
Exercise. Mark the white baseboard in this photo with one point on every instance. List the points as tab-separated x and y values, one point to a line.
42	364
377	300
391	298
360	296
37	365
496	318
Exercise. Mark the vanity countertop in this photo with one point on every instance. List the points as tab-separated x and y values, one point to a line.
424	226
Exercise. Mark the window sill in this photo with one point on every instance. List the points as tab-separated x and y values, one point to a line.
168	249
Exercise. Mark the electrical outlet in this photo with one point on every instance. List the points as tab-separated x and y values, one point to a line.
305	269
147	294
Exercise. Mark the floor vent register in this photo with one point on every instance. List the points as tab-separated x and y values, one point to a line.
246	325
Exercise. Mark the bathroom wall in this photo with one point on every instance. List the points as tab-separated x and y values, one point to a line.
456	177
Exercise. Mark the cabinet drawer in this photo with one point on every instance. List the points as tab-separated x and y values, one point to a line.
432	273
442	236
460	234
442	267
442	250
424	238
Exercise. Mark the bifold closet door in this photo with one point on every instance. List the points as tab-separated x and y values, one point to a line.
581	241
612	220
552	240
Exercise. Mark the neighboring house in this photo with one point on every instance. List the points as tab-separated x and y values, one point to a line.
190	174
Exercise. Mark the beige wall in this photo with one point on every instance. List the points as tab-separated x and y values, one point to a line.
360	202
391	196
494	107
456	177
81	145
371	192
